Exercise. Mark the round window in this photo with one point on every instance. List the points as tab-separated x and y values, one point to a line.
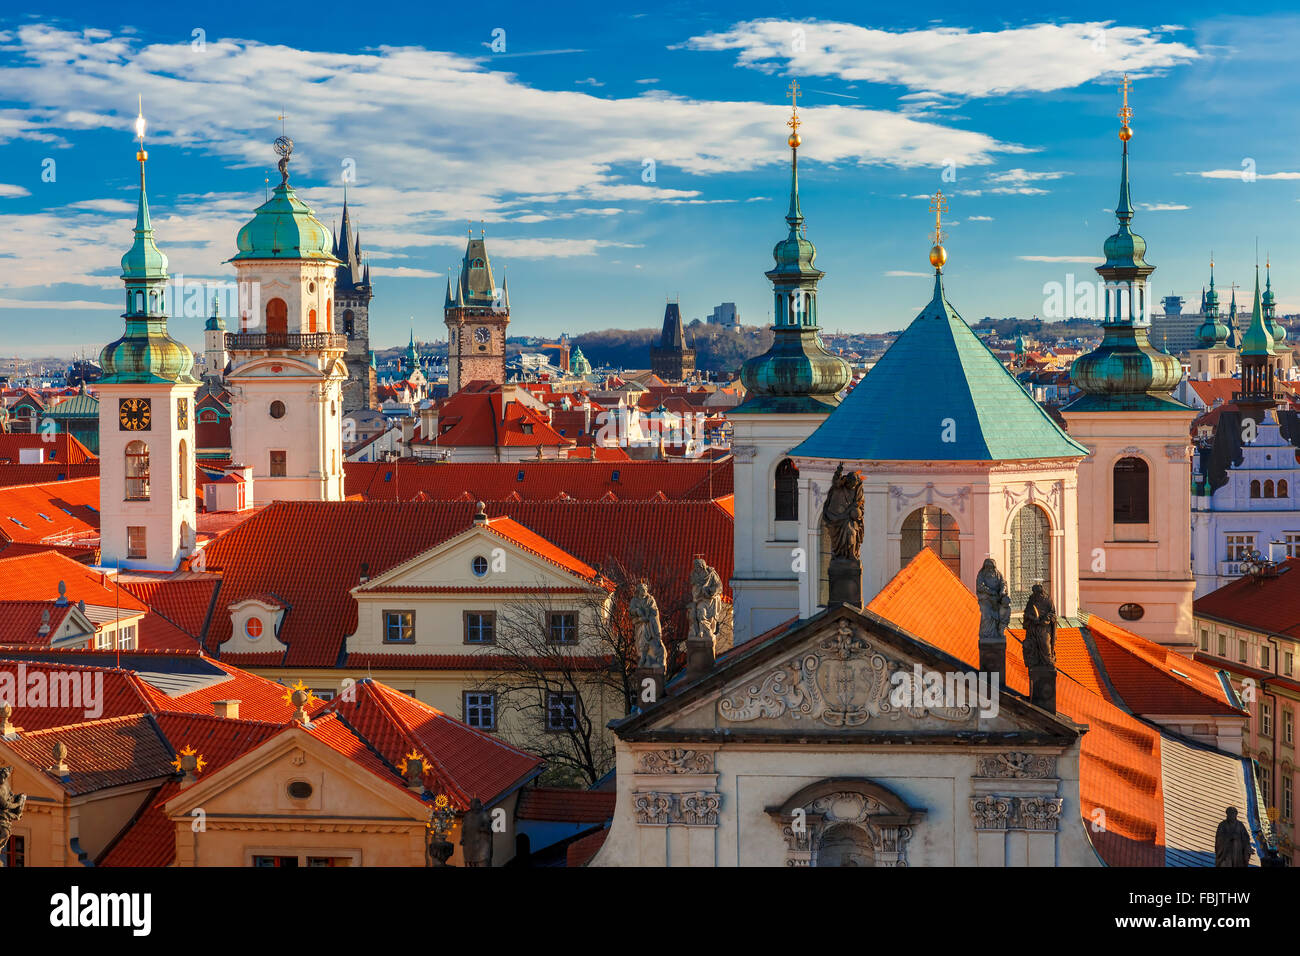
300	790
479	566
1131	612
253	628
311	287
277	409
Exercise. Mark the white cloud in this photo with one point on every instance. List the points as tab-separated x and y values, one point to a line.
115	206
648	80
589	81
8	191
901	273
980	218
1242	175
1034	58
1161	206
1021	176
403	272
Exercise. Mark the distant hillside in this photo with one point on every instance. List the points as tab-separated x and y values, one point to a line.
716	349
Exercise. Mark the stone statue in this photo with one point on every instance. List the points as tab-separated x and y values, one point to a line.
1231	842
842	514
11	808
706	602
994	600
1040	630
649	635
476	835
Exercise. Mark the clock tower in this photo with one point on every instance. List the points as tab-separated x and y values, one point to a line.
146	418
476	314
288	361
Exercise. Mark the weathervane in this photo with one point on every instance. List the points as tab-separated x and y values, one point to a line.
1125	111
938	254
794	122
284	147
140	154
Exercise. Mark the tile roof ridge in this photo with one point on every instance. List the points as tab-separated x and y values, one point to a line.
90	722
381	700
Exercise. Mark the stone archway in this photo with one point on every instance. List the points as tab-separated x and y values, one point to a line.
846	821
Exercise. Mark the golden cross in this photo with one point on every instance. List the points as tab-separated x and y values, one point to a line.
1125	111
938	207
793	93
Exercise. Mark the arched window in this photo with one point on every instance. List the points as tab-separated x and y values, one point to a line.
1220	366
329	315
1254	489
277	317
183	471
311	321
349	326
1268	488
137	471
1031	554
1282	490
787	491
931	527
1132	478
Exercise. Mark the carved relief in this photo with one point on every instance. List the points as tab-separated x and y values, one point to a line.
1016	764
879	823
675	761
1177	452
901	498
698	808
1032	494
744	453
844	682
1000	812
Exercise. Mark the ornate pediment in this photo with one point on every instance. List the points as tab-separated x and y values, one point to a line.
842	680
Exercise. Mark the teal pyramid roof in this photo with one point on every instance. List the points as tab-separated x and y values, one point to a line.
939	369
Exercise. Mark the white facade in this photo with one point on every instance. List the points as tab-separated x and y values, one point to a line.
287	392
983	500
765	582
1242	516
1141	566
146	521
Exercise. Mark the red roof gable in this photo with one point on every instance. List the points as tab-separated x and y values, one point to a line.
477	419
566	806
1268	604
36	577
63	447
21	621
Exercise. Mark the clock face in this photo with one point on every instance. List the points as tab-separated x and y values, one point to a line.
482	336
134	414
182	413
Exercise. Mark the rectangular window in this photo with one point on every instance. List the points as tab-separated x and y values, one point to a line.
135	542
399	627
480	627
1288	662
1264	656
323	694
329	861
1241	651
278	464
1292	545
1266	784
1223	645
564	627
1265	719
481	710
16	851
126	638
1288	725
561	711
275	861
1205	640
1240	546
1288	798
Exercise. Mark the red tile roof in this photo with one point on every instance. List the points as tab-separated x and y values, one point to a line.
57	512
580	851
21	621
542	481
45	473
566	806
1268	604
36	577
460	761
64	448
472	418
101	753
121	692
1120	770
310	555
185	602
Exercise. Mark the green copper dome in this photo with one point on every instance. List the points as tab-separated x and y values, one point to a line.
1269	302
284	227
1257	340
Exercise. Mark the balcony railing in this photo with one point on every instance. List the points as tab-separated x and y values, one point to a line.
291	341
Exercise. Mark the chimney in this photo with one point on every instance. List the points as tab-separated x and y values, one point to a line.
226	708
365	572
1277	551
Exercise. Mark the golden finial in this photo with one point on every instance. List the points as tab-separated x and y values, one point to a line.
1125	111
140	154
938	254
794	122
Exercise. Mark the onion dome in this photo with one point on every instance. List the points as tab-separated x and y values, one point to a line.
1213	333
796	374
1126	372
146	353
284	226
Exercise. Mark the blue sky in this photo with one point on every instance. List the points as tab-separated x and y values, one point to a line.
547	141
